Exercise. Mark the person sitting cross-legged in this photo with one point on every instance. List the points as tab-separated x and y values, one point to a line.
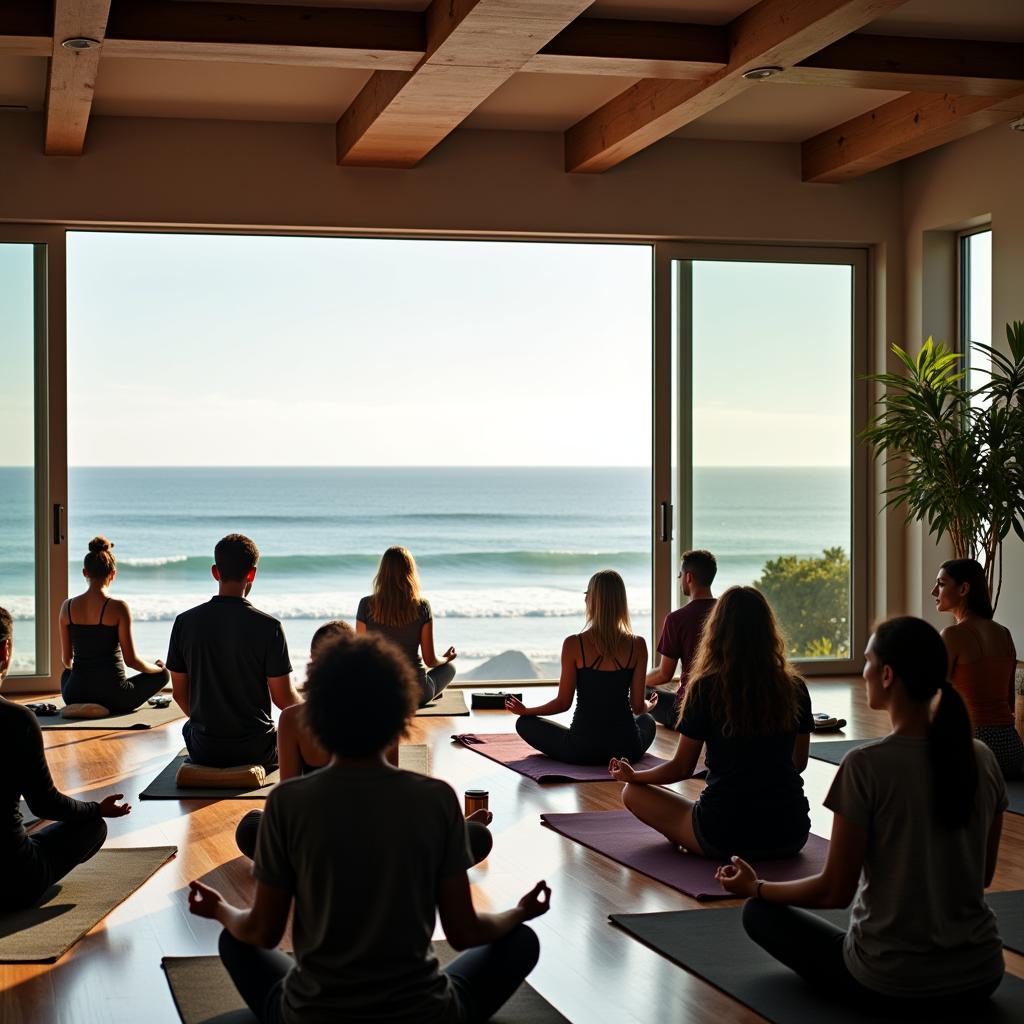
299	752
30	864
915	839
368	854
227	661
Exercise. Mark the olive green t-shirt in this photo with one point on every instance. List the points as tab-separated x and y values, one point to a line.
363	852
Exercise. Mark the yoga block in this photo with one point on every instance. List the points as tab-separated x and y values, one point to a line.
85	711
492	701
243	776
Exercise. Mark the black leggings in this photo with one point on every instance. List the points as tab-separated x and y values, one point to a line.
484	978
48	855
562	744
667	709
813	948
478	836
433	681
118	696
221	753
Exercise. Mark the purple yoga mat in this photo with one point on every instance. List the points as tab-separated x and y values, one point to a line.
627	841
511	750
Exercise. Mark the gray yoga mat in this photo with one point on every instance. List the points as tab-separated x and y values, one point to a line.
413	757
1009	909
163	787
835	750
627	841
451	702
713	945
511	750
203	994
78	902
141	718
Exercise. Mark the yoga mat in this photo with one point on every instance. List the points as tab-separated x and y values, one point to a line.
627	841
77	903
1009	909
204	994
511	750
451	702
414	757
163	786
28	819
713	945
834	751
142	718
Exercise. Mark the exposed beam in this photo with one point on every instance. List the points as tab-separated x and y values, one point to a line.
473	47
908	125
634	49
266	34
960	67
26	30
774	32
72	77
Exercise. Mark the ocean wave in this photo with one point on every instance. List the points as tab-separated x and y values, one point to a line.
500	603
367	562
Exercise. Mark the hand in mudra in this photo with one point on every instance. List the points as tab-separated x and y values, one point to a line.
515	705
621	770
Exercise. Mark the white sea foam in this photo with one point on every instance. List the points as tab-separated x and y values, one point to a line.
153	562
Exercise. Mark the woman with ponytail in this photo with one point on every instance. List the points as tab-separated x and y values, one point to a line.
915	836
97	643
982	660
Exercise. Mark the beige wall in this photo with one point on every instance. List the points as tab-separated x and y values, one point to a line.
953	187
251	175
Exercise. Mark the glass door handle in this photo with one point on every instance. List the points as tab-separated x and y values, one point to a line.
59	524
665	521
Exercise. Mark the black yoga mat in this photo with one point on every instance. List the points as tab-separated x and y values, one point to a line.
203	994
713	945
834	751
163	787
1009	910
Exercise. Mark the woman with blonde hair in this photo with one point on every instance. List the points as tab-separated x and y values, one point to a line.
96	643
605	667
396	610
752	712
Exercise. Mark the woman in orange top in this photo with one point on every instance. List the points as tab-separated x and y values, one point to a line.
982	659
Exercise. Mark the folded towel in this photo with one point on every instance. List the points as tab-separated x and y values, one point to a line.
243	776
84	711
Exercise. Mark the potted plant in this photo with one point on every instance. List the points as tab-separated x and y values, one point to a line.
958	452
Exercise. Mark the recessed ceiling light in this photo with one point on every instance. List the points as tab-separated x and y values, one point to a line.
760	74
80	43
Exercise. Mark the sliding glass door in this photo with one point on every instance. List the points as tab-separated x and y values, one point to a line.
765	411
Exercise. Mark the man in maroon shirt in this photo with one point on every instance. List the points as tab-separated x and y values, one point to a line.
681	633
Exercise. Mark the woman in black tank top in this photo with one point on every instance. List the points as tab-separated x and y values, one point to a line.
97	643
605	668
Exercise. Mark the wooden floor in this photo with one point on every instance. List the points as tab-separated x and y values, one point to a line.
589	970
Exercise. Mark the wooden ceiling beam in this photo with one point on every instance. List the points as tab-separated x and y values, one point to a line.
473	48
904	127
72	77
772	33
961	67
266	34
634	49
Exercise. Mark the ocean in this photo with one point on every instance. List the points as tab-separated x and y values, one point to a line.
504	553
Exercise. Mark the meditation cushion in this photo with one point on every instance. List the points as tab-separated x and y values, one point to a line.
85	711
243	776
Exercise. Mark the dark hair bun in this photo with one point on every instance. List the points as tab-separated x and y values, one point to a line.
98	544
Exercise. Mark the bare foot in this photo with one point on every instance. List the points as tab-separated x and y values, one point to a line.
484	816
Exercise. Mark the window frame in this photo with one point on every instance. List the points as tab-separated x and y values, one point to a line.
963	292
858	258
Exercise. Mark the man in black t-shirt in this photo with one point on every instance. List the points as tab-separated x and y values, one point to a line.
227	661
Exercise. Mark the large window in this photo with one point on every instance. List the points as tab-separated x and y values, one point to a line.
19	579
486	404
764	433
976	303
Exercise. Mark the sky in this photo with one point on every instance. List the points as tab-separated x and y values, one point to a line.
255	350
